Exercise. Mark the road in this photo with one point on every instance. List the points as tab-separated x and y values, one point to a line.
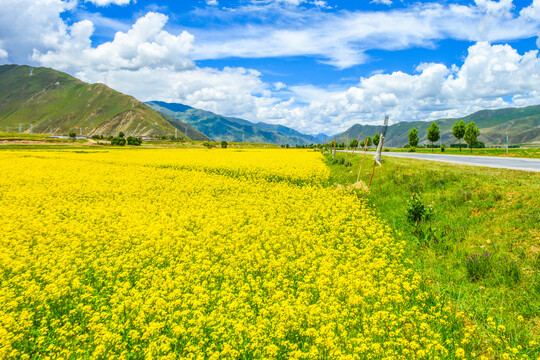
488	161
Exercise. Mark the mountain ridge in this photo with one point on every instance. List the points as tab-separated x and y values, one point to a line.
523	125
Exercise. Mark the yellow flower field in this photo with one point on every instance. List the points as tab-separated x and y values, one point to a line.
206	254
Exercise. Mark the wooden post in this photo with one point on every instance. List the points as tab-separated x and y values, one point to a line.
377	158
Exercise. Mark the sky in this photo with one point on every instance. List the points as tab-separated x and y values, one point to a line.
316	66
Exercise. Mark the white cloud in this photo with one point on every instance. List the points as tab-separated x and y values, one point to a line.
342	38
144	45
31	24
532	11
212	2
3	53
385	2
109	2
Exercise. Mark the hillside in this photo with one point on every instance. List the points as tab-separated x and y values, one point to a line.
186	129
225	128
48	101
523	128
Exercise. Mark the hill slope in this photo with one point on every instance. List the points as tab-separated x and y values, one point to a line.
523	127
232	129
46	100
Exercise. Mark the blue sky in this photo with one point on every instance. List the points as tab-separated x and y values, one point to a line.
316	66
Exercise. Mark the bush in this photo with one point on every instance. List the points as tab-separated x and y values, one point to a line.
443	147
223	144
417	212
208	144
118	141
412	149
479	266
134	141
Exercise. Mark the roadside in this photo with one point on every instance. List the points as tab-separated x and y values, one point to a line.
472	234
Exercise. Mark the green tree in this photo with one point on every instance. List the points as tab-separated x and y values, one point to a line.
131	140
353	144
121	134
224	144
458	130
471	134
413	137
433	134
72	136
362	143
368	141
376	139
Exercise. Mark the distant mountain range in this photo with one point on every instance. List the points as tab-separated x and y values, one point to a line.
523	126
43	100
232	129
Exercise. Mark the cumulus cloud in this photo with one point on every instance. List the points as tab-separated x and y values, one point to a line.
146	44
109	2
31	24
385	2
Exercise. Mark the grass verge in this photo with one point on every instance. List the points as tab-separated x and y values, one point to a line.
472	233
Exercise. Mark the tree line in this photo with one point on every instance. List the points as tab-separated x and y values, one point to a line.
469	132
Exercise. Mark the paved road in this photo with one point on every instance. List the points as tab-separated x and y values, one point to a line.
488	161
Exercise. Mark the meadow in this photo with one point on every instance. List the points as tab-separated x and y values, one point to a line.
213	254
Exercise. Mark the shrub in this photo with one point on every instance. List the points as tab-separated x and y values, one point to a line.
134	141
479	266
223	144
417	211
118	141
412	149
443	147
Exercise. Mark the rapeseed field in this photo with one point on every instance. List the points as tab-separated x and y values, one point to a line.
208	254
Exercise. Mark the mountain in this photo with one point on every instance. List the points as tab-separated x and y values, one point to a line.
186	129
523	128
232	129
45	100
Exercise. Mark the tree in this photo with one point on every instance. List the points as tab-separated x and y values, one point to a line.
224	144
362	143
433	134
413	137
458	130
376	139
121	134
471	134
119	141
368	141
133	141
353	144
72	136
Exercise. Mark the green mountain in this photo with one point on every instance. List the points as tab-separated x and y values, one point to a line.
232	129
186	129
43	100
523	126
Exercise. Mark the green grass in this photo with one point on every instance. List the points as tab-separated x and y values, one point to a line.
474	211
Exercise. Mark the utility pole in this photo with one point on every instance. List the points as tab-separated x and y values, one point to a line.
242	137
31	128
20	128
176	133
